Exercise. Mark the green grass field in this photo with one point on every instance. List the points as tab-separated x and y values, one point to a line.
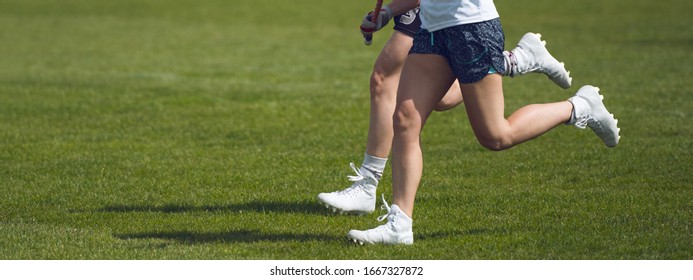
156	129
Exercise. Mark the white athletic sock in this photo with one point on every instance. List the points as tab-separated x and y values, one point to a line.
374	164
510	62
517	62
580	108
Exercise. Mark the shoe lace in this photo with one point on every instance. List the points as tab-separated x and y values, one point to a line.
582	122
357	187
358	176
385	207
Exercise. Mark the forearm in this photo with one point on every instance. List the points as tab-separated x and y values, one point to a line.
399	7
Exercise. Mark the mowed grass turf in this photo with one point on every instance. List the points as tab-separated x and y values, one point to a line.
205	130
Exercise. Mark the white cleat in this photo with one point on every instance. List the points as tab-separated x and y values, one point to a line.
531	56
591	112
397	230
358	199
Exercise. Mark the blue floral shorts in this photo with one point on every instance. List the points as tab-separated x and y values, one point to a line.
472	50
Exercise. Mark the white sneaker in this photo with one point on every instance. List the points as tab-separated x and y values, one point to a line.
531	56
589	111
357	199
397	230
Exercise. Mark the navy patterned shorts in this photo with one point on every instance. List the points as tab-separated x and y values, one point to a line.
472	50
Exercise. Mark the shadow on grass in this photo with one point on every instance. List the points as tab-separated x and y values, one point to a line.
251	236
253	206
238	236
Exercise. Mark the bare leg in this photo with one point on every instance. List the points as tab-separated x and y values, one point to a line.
384	80
425	80
485	108
360	197
451	99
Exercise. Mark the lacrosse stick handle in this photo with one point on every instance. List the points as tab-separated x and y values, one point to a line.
368	39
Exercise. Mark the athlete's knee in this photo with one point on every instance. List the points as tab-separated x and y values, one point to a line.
384	71
378	79
406	119
495	142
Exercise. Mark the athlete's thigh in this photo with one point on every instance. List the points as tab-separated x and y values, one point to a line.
394	53
425	80
452	98
485	106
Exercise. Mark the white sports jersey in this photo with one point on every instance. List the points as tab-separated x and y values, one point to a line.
439	14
